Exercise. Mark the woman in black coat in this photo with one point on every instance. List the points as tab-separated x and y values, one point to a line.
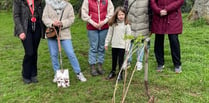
29	28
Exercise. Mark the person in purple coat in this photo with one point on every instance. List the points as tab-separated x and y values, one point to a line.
167	19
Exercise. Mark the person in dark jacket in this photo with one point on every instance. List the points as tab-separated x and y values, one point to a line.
167	19
29	28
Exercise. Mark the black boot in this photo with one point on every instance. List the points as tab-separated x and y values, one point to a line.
111	75
93	70
120	76
100	69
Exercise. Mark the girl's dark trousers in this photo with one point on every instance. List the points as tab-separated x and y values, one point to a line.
117	56
30	44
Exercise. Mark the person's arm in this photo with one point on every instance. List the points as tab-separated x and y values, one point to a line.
66	23
110	11
174	6
16	17
155	7
45	18
128	32
85	13
109	36
150	16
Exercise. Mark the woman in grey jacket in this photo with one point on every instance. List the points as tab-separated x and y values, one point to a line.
29	28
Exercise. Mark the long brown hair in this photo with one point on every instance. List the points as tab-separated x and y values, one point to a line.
114	18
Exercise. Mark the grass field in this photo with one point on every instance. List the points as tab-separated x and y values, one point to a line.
191	86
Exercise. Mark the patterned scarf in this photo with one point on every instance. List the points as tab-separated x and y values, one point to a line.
57	5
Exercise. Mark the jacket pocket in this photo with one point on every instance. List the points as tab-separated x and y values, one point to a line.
174	15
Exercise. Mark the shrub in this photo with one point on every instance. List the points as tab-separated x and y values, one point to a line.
6	4
187	6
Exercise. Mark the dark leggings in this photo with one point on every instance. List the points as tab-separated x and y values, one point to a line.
117	56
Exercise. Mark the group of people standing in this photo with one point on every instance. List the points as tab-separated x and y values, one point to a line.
104	26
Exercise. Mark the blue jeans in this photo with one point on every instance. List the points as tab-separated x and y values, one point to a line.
140	53
96	50
68	48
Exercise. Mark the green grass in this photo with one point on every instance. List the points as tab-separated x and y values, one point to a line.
191	86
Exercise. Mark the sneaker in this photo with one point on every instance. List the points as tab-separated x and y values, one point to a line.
178	69
126	65
139	66
129	65
81	77
160	68
55	79
26	81
34	79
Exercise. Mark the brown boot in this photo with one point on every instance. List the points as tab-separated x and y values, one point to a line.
100	69
93	70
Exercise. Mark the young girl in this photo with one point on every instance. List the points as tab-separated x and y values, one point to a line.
119	27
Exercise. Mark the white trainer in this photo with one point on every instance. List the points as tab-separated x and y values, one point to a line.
124	66
139	66
55	79
81	77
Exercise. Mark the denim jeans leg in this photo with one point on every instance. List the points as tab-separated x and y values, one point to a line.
53	49
93	42
140	52
68	47
130	58
101	49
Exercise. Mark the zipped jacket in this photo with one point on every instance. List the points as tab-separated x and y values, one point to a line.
22	14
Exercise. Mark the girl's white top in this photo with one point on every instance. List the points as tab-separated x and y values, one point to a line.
116	35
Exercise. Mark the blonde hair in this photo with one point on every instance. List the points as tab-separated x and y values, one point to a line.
114	18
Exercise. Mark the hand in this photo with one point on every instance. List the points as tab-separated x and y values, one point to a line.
106	48
163	12
60	24
22	36
57	23
101	24
126	52
95	25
